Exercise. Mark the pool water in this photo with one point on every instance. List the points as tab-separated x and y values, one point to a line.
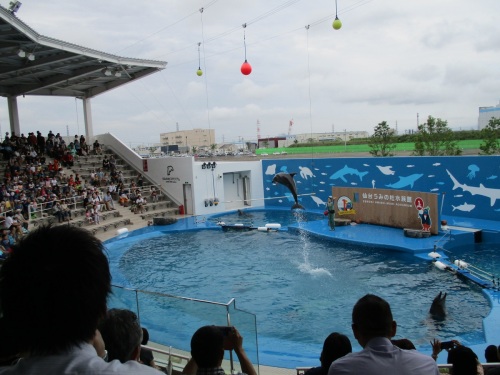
302	288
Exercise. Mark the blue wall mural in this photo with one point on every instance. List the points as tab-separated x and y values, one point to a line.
468	186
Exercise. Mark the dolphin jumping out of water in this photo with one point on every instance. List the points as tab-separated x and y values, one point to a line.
286	179
437	309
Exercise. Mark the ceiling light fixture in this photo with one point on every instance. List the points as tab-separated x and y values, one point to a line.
118	73
108	72
21	53
31	56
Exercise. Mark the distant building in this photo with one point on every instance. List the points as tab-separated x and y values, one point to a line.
272	142
202	139
328	137
485	115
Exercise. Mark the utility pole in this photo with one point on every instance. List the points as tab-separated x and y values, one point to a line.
345	140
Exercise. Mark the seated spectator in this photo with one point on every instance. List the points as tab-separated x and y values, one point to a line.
491	354
105	162
124	200
153	194
335	346
207	350
97	148
57	212
464	361
96	212
146	355
51	316
19	217
108	201
89	215
6	245
373	327
122	335
10	222
66	211
68	160
140	202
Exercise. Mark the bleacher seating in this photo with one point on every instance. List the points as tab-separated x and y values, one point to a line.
34	194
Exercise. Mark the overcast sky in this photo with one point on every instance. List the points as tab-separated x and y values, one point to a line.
389	61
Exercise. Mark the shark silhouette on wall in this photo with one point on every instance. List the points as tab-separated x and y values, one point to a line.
405	181
493	194
341	173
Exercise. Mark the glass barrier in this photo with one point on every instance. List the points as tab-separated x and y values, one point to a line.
172	320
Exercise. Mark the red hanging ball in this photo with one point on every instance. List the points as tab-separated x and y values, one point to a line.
246	68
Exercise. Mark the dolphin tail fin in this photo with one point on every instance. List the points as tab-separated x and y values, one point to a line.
293	174
362	174
298	206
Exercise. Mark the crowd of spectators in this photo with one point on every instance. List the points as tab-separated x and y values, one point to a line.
36	183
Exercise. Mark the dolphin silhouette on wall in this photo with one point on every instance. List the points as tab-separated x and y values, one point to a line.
286	179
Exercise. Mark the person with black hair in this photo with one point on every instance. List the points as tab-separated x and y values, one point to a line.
53	292
207	350
336	345
464	361
146	356
122	335
491	354
373	326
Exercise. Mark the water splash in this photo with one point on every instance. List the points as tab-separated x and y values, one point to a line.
305	266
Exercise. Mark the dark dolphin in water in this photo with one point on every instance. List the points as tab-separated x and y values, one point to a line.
286	179
437	309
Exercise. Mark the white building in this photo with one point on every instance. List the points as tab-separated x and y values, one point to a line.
485	115
202	139
327	137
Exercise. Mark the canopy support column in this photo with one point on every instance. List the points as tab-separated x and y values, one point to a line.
13	115
87	116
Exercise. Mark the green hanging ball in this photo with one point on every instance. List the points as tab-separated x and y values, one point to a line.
337	24
199	72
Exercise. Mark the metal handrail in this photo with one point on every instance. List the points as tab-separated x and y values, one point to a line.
166	295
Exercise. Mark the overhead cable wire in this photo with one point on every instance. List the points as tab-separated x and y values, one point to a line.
205	68
264	15
165	28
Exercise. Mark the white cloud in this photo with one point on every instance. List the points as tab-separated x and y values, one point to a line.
387	62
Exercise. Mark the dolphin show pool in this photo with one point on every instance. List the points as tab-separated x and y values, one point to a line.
301	288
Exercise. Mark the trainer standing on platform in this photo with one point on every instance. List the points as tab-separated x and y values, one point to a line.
330	206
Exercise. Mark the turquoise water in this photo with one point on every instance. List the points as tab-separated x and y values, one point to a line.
301	288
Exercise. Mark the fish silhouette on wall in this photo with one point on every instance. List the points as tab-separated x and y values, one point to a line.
341	173
405	181
493	194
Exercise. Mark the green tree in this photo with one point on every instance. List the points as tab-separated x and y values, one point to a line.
490	135
194	149
435	138
382	142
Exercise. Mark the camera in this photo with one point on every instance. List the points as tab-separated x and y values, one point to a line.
447	345
226	330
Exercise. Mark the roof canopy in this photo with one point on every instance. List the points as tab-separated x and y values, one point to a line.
32	64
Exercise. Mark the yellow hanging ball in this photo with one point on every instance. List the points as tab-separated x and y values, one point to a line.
199	72
337	24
